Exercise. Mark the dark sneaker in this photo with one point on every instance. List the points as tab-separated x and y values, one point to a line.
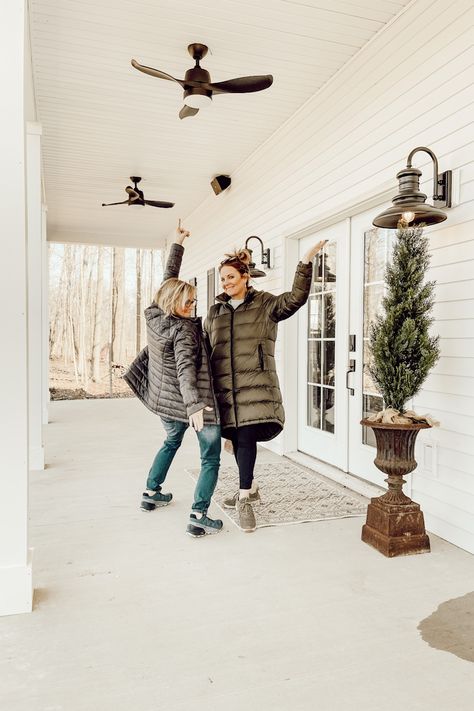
194	531
150	503
246	515
230	503
206	524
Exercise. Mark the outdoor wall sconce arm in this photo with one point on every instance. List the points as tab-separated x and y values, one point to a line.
264	258
408	207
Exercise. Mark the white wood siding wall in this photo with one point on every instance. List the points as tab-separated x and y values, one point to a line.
411	85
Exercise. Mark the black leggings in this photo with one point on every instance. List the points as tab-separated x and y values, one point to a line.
244	441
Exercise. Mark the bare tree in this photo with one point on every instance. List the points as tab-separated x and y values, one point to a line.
138	314
96	336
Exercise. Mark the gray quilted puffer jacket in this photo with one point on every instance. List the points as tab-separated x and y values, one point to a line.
172	375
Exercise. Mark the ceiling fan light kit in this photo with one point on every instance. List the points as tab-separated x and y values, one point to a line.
197	98
198	89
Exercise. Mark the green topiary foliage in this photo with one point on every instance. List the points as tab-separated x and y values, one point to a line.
402	351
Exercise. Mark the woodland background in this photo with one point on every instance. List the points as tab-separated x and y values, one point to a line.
97	296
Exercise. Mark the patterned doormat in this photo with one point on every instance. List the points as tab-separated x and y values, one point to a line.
290	494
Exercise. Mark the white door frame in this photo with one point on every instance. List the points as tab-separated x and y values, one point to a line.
313	440
288	440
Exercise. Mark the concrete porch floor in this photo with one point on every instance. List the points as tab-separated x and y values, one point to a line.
132	614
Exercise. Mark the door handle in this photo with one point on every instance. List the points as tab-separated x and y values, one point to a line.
352	367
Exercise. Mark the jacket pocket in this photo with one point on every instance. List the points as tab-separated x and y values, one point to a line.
260	357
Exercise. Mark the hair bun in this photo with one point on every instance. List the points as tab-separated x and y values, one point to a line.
241	255
244	256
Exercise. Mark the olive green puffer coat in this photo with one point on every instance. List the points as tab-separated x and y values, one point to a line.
243	352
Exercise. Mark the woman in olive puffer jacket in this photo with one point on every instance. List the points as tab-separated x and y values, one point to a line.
242	330
172	377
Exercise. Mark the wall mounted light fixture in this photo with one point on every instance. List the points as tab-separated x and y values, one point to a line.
264	259
220	183
408	207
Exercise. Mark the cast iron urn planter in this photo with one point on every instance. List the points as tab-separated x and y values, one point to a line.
395	524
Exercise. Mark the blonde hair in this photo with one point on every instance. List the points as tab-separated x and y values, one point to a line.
173	294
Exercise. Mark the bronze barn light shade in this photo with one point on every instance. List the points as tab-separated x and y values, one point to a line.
264	258
408	207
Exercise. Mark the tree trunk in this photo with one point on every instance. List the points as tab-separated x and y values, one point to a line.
96	337
81	325
138	310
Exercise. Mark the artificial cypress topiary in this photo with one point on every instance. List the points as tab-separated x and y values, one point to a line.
402	351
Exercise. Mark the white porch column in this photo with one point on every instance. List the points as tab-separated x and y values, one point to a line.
35	295
15	563
45	316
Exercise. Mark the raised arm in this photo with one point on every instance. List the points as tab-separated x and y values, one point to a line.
286	304
175	256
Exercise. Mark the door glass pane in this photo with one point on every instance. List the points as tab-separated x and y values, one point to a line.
327	419
314	406
329	269
373	295
314	362
375	256
378	244
314	316
321	341
329	362
318	262
330	316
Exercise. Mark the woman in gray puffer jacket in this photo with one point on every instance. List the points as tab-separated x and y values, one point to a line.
172	377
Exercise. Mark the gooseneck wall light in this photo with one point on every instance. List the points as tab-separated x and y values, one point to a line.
264	259
408	207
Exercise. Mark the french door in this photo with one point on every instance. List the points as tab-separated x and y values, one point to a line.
335	389
322	327
370	251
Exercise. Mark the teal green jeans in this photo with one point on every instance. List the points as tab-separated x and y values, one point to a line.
210	447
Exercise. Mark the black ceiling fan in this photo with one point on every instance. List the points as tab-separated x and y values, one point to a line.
136	197
197	85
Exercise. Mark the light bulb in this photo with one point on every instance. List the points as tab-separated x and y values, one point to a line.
407	217
198	101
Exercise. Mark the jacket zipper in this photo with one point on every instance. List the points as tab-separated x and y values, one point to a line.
232	362
260	356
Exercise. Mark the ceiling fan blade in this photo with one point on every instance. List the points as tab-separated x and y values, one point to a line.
155	72
158	203
187	111
134	194
107	204
241	85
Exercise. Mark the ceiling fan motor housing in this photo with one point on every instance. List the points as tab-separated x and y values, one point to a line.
197	74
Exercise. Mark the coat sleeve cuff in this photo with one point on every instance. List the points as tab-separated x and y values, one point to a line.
304	268
195	407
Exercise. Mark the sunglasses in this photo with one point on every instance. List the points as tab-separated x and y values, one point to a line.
190	302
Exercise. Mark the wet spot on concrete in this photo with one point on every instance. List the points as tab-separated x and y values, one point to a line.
451	627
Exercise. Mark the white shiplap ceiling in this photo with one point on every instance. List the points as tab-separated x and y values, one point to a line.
104	121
